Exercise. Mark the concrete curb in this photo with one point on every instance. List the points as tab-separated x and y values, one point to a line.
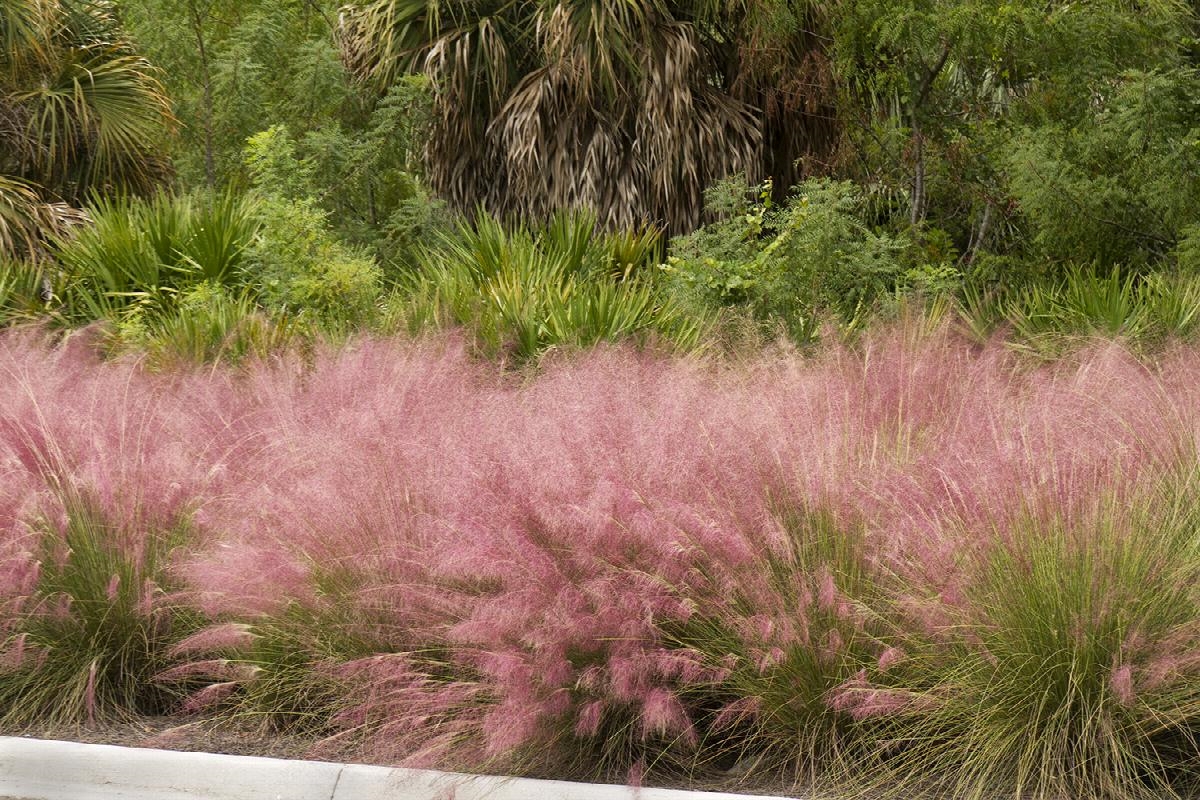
36	769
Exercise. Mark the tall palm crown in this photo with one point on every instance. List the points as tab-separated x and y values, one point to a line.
79	110
627	107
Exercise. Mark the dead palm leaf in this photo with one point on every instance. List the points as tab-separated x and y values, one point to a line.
625	107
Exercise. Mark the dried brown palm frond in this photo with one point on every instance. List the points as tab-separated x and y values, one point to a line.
647	157
629	108
20	216
27	220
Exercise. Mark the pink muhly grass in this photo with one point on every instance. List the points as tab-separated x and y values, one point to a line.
511	725
1121	683
89	694
209	696
890	657
662	714
1169	659
219	669
834	643
741	710
13	655
603	543
410	709
862	700
827	593
225	637
589	719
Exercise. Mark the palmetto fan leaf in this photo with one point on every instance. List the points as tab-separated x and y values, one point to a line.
79	111
20	215
21	31
94	120
626	107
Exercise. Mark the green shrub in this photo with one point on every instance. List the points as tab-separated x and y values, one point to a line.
1120	186
297	263
522	291
812	257
300	269
210	323
364	180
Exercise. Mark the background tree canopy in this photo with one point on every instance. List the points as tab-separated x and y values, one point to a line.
800	159
628	108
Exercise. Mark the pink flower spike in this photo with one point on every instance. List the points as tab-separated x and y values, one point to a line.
889	657
662	713
209	696
229	636
1121	683
827	598
589	718
89	695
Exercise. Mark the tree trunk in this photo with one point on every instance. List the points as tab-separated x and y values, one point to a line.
977	238
917	211
197	20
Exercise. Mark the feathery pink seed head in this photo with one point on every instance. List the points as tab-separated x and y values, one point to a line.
827	595
1121	684
889	657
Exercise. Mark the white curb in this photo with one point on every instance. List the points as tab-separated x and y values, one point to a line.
35	769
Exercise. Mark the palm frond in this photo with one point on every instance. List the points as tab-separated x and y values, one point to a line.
27	218
79	109
624	107
22	32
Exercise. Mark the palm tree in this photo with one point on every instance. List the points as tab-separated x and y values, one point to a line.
629	108
79	111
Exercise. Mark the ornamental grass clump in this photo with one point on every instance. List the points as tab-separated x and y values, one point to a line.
805	646
1070	668
94	623
287	671
331	521
100	479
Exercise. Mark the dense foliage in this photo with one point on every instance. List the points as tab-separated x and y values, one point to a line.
629	109
814	163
